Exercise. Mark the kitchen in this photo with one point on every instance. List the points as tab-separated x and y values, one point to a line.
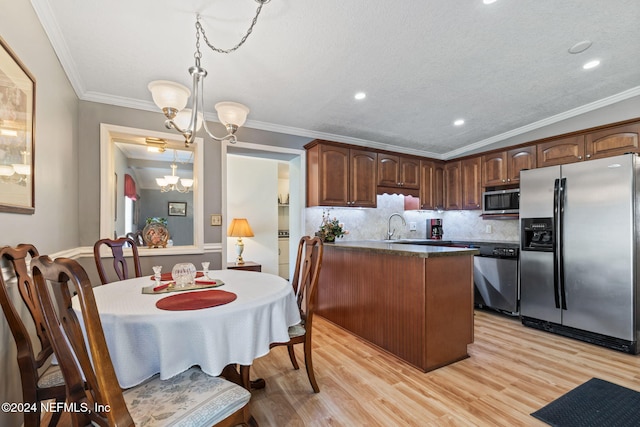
67	124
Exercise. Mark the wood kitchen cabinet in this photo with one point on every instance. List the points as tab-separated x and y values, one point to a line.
452	185
398	171
612	141
340	176
561	151
503	167
471	186
607	142
431	185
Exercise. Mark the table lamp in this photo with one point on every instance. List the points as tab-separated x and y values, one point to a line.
239	228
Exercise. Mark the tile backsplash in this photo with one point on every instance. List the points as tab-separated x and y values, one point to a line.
368	224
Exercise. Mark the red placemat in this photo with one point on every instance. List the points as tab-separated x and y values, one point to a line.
196	300
168	276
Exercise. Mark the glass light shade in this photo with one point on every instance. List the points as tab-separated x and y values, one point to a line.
6	170
186	182
168	94
171	179
161	182
232	113
239	227
183	117
22	169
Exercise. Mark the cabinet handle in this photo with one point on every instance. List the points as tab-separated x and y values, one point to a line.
579	157
504	180
508	179
588	156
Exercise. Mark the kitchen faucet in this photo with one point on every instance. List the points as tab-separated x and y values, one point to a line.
389	232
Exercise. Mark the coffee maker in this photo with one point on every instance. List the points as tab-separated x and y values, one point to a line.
434	229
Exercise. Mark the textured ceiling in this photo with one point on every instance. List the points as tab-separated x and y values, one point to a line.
501	67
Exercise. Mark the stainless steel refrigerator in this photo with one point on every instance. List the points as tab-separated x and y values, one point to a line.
579	250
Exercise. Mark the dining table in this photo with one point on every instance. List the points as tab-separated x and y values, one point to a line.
145	340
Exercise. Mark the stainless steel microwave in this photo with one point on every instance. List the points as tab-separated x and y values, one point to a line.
501	201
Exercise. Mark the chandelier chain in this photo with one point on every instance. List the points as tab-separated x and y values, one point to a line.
200	29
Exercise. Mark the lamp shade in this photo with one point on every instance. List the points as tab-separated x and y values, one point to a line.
232	113
239	227
183	119
186	182
168	94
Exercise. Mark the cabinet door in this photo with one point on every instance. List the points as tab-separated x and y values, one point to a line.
561	151
520	159
333	176
431	185
494	169
613	141
388	170
362	175
409	173
471	188
452	186
438	186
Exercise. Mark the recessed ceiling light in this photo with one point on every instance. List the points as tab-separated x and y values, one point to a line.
488	1
360	95
458	122
580	46
591	64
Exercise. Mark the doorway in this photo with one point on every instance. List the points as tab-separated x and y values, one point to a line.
255	187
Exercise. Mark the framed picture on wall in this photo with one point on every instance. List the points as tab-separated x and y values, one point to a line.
177	208
17	118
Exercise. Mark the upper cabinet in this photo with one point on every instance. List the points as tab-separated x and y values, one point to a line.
561	151
503	168
431	184
340	176
452	185
612	141
471	188
398	171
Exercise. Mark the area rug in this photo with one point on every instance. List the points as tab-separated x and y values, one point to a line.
595	403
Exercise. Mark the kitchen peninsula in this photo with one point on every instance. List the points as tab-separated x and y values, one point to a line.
414	301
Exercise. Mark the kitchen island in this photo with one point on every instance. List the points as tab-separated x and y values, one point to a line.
414	301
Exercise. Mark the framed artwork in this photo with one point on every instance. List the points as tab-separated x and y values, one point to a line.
17	126
177	208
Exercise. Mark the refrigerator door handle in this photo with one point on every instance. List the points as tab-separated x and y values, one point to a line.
556	261
560	232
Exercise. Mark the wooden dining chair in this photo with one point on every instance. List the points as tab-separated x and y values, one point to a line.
119	262
136	236
305	286
191	398
35	387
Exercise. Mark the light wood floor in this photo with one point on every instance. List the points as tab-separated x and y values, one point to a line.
512	371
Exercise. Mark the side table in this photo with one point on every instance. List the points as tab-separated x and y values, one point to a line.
248	266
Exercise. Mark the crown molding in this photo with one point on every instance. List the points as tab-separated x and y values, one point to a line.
622	96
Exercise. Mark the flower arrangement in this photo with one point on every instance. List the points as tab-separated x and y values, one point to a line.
330	229
158	219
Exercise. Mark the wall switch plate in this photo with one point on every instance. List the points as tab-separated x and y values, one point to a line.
412	226
216	219
487	229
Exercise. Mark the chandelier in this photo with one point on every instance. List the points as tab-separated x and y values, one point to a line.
172	97
173	182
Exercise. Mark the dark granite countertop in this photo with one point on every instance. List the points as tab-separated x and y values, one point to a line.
404	249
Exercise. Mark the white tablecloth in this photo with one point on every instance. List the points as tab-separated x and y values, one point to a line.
144	340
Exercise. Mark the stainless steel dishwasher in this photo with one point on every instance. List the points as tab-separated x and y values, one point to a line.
495	275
